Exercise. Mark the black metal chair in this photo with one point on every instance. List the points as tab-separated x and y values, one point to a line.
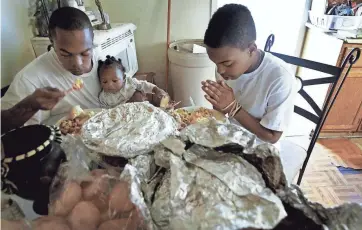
4	90
320	113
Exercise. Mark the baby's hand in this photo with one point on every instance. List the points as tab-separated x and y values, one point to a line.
161	98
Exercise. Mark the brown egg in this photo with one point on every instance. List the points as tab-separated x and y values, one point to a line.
119	199
98	190
69	197
50	222
119	224
12	225
85	215
98	172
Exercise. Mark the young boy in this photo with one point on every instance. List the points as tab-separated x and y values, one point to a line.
259	89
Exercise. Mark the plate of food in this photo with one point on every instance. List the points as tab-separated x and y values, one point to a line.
72	124
196	114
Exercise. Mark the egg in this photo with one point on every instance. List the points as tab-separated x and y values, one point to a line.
11	225
50	222
119	200
85	215
69	197
98	172
119	224
97	191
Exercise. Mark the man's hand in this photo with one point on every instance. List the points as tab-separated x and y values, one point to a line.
219	94
45	98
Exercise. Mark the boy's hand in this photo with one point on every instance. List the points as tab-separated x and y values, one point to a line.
219	94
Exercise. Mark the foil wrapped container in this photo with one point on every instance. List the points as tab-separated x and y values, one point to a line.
131	175
344	217
145	164
128	130
215	134
161	209
211	190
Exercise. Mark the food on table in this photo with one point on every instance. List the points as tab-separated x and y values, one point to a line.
78	84
85	215
191	117
50	222
165	101
75	112
98	201
77	117
120	224
119	201
69	197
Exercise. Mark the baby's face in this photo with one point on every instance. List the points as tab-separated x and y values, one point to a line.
111	79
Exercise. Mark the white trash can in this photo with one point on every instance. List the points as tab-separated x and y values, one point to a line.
189	66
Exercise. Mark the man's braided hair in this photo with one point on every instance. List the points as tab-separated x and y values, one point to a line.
110	61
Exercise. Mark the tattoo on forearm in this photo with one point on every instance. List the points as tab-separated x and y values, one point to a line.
16	116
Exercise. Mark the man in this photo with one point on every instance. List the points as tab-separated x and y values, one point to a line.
260	89
71	35
19	114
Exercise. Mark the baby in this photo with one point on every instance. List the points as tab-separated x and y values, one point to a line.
118	89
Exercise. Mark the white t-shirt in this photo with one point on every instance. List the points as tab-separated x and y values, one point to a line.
268	93
131	85
47	71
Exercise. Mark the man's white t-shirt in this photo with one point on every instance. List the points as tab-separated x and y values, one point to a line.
268	93
47	71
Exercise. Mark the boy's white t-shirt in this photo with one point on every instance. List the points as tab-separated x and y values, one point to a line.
47	71
268	93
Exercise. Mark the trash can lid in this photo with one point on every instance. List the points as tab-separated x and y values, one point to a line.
195	46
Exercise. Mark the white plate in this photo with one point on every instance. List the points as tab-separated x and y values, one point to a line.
85	110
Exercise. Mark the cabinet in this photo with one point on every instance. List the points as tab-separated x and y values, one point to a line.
346	113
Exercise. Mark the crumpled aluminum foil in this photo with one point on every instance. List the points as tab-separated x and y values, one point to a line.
344	217
131	175
161	209
211	190
128	130
215	134
162	156
145	165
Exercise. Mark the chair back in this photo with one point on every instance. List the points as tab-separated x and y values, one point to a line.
336	79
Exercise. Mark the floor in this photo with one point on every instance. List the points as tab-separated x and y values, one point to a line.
334	172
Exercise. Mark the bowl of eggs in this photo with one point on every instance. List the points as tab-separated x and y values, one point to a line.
99	201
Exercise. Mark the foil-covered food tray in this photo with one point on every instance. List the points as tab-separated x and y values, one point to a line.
128	130
211	176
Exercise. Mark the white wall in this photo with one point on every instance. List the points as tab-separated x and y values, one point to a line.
189	19
16	50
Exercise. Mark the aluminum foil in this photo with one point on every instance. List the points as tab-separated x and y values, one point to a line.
344	217
216	134
211	190
131	175
128	130
145	164
162	156
161	210
149	187
266	159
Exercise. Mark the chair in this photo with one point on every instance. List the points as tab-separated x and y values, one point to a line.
4	90
337	75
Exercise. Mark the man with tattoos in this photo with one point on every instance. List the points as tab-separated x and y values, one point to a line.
42	99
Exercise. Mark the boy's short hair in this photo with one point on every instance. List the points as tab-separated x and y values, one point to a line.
231	25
